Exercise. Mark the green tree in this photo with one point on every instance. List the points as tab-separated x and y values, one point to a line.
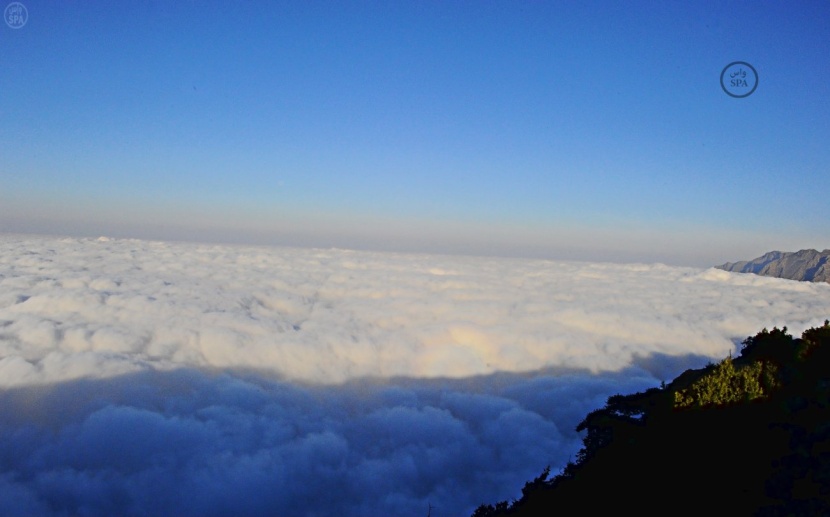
726	384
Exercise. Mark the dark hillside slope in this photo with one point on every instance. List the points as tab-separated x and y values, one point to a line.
748	436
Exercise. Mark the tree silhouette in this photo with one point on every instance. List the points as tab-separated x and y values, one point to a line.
745	436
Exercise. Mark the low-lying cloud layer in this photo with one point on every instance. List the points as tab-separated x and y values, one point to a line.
188	443
78	308
146	378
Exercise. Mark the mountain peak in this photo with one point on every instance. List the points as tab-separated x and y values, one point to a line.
807	265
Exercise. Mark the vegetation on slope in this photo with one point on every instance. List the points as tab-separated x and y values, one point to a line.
746	436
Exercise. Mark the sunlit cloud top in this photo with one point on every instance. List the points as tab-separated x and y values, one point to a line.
72	308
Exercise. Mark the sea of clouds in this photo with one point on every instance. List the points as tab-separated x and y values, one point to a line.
150	378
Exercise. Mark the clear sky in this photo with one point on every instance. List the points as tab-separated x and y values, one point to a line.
571	130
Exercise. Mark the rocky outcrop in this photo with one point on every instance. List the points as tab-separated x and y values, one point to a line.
805	265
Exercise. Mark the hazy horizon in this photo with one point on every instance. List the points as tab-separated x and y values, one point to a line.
478	249
590	132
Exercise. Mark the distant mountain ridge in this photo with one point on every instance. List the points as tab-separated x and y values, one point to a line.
806	265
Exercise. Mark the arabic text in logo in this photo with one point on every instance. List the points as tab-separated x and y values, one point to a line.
739	79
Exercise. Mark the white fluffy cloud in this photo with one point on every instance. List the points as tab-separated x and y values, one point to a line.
78	308
146	378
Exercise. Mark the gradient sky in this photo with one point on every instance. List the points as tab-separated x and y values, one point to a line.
590	130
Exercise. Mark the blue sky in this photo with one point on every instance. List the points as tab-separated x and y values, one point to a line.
596	131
